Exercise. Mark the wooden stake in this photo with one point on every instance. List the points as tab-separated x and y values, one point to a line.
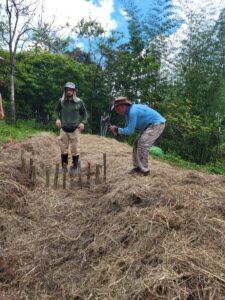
64	176
34	175
80	174
88	173
23	167
71	180
47	178
31	168
104	166
56	175
97	173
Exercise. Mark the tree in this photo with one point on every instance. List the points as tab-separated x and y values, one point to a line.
94	35
198	81
46	37
15	25
79	55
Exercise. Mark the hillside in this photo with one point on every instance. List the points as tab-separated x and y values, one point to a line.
156	237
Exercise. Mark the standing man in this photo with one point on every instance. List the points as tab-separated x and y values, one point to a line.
72	117
145	119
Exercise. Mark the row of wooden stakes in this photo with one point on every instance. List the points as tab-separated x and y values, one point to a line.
31	170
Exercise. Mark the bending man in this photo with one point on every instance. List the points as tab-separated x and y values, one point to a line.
145	119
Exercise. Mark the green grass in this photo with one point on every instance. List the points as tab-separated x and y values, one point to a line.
173	159
18	132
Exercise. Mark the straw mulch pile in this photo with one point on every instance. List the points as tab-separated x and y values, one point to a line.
156	237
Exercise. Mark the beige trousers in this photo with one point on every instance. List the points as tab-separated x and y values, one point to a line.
71	139
142	144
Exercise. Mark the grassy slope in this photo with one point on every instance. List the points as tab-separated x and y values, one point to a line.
18	132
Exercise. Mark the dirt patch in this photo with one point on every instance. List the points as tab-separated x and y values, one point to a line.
154	237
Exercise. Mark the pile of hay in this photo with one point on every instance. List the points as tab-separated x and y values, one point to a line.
154	237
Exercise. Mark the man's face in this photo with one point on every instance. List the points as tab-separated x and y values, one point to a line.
69	92
121	109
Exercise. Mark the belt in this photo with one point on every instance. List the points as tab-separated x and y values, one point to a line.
150	124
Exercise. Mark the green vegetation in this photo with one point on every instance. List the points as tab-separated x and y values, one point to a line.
185	84
175	160
17	132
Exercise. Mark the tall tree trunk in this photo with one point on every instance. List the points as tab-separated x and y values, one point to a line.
12	94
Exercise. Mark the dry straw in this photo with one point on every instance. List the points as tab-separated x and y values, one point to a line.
156	237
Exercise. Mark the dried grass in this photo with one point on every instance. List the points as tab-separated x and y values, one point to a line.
156	237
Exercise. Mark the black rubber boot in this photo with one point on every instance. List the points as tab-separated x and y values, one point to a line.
75	168
64	160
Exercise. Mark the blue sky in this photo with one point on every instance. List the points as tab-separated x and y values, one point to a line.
108	12
143	5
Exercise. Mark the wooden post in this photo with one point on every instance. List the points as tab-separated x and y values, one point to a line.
71	181
23	167
97	173
104	166
42	166
88	173
47	177
2	259
31	168
80	174
56	176
64	176
34	175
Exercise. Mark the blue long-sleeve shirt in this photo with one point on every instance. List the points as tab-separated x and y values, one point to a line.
139	116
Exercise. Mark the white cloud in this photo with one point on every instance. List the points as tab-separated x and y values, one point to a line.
123	13
80	45
71	11
187	6
59	13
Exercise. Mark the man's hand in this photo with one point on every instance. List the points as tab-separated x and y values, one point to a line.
58	123
81	126
113	129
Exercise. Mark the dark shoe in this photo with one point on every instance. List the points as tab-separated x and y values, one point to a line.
75	159
74	170
64	161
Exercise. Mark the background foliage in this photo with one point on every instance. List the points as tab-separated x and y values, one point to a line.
188	88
